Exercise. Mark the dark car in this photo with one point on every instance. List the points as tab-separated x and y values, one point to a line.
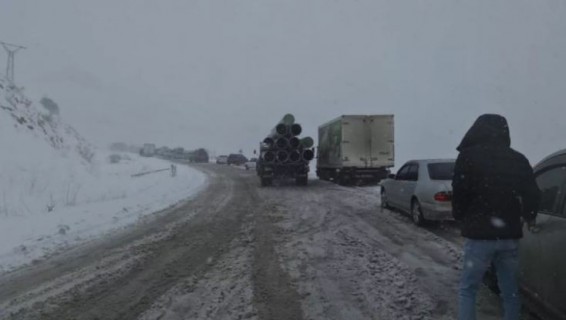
542	271
199	156
542	254
237	159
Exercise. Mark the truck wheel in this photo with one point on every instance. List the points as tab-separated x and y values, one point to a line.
322	175
265	181
301	181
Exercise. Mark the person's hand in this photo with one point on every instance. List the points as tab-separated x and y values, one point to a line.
532	226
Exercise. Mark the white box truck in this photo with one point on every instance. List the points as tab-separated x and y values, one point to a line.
356	149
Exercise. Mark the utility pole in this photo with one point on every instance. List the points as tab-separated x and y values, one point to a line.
11	49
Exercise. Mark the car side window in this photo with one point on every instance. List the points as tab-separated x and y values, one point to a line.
402	174
413	174
552	184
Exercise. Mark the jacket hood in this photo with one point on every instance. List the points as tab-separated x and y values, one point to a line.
489	129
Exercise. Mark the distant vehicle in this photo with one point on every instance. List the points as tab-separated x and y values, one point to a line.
148	150
542	263
237	159
199	156
222	160
162	151
422	188
114	158
177	153
251	164
356	148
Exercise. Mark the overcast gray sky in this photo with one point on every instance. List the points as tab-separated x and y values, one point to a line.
220	73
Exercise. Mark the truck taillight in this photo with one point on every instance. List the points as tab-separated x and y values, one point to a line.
443	196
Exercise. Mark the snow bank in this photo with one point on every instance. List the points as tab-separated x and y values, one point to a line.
91	205
55	191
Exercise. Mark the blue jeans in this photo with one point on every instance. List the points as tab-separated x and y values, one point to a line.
478	256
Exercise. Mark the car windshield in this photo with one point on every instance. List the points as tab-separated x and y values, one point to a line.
441	170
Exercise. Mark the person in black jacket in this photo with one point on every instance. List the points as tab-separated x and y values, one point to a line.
494	191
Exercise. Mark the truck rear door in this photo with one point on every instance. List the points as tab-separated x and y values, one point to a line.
382	153
356	141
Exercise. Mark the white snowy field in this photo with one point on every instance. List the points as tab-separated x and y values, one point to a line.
85	204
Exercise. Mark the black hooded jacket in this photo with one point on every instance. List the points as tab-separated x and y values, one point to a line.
493	185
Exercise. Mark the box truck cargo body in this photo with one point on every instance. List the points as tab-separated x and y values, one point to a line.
356	148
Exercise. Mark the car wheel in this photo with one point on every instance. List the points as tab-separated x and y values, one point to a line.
417	213
301	181
384	203
266	182
343	180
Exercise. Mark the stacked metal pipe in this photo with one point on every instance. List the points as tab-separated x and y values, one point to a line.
283	145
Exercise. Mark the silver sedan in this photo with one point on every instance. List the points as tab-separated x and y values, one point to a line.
422	188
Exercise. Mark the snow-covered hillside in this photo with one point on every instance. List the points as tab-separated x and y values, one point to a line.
40	157
30	120
55	190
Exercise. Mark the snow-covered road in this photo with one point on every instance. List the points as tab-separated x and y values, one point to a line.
238	251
